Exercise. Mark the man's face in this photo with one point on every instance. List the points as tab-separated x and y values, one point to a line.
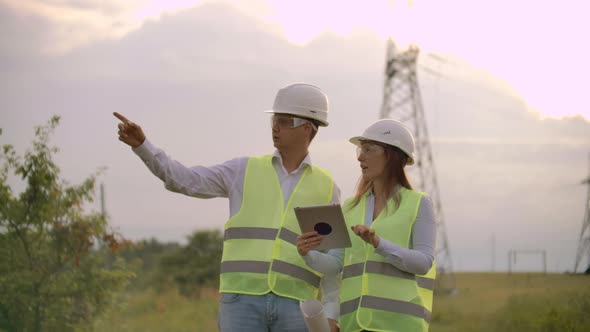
289	131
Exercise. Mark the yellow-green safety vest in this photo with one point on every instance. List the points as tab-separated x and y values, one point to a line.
375	295
259	248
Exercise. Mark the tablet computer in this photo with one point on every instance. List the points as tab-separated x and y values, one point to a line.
328	221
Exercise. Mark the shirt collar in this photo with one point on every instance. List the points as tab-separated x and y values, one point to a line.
306	161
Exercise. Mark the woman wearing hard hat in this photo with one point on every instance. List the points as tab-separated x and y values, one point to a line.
388	273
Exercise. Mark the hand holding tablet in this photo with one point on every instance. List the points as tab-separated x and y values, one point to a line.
328	222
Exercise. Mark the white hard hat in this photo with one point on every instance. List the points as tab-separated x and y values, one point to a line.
391	132
302	100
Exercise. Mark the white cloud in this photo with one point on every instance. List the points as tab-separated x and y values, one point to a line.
74	23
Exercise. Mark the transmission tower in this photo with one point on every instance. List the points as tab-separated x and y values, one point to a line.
584	244
402	101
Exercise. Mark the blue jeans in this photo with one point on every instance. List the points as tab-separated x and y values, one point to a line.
259	313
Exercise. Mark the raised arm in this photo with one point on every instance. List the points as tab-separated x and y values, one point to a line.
196	181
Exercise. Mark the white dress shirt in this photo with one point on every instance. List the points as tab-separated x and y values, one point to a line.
227	180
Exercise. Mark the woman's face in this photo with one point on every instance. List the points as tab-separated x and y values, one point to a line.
372	159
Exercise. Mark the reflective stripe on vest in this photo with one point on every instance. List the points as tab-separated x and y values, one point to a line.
260	233
425	283
385	268
259	252
375	294
277	266
379	303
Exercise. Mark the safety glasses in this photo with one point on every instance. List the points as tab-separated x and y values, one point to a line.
369	150
284	122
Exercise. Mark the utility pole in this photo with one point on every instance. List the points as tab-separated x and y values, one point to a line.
493	252
583	253
103	210
402	101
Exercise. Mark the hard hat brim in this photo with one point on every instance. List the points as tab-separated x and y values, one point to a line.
357	140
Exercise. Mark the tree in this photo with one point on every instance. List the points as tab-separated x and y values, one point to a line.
53	274
145	256
195	265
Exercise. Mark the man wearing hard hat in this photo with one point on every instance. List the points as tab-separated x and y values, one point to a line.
263	277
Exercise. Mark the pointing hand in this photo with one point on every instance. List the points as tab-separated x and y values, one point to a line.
129	133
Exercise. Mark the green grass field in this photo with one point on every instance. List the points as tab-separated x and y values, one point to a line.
482	298
151	311
482	302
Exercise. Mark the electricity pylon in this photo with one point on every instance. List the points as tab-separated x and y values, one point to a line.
402	101
583	253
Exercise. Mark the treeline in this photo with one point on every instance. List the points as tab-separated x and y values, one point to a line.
188	267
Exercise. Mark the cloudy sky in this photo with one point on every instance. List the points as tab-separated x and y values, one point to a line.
506	113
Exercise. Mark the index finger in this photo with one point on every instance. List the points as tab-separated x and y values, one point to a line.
121	117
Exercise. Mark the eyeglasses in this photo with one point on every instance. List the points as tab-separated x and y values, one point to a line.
289	122
369	150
